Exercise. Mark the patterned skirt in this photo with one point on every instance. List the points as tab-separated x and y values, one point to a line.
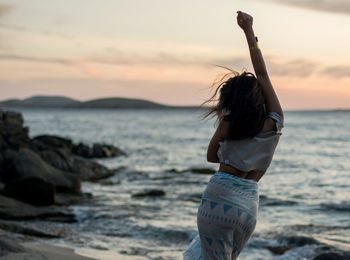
226	218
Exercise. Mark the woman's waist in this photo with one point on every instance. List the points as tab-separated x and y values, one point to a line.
254	175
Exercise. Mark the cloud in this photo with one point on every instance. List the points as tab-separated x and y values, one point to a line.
34	59
5	9
335	6
288	68
19	28
337	71
298	67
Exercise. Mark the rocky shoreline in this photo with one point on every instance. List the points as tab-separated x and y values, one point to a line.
40	177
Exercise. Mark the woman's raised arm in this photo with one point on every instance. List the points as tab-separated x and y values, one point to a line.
245	21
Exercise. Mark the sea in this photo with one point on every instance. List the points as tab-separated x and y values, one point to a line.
304	196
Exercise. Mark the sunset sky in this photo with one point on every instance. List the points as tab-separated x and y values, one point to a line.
164	50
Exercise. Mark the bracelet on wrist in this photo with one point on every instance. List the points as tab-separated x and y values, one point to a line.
255	45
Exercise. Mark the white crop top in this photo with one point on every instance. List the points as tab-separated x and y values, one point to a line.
253	153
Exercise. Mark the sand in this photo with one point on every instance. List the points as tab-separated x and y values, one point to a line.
35	251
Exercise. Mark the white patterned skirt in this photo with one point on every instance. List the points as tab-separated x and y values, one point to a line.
226	218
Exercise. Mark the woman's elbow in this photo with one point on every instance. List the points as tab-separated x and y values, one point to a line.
212	159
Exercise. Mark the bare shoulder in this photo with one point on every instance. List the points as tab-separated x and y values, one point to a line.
223	128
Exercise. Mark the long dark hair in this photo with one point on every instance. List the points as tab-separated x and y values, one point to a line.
241	102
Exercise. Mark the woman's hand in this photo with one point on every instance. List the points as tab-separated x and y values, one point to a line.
245	21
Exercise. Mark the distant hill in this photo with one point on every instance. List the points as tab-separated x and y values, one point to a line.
41	101
65	102
119	103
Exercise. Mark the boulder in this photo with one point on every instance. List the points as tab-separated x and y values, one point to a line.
97	150
149	193
27	163
12	118
83	150
9	246
12	132
58	158
84	169
194	170
20	229
332	256
32	190
11	209
89	170
106	151
44	142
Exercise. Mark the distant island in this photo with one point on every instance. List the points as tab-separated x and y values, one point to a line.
103	103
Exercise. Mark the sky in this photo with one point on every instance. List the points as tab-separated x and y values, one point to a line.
165	51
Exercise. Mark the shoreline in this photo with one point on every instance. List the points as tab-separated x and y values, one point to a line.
35	250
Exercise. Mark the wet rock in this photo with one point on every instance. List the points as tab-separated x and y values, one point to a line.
66	199
267	201
58	158
194	170
32	190
287	243
9	246
51	142
332	256
89	170
27	163
85	169
202	170
97	150
12	118
149	193
18	228
11	209
106	151
279	250
83	150
44	142
12	132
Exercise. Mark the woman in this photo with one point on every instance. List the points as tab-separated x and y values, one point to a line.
250	121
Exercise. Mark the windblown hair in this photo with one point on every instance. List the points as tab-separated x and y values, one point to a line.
241	102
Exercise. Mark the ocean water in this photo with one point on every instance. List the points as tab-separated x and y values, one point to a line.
304	195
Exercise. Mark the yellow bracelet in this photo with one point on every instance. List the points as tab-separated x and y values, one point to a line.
255	46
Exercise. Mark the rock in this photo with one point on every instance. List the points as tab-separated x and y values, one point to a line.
279	250
194	170
58	158
27	163
44	142
332	256
89	170
66	199
11	209
9	246
202	170
85	169
106	151
12	118
289	242
83	150
152	193
31	190
12	133
17	228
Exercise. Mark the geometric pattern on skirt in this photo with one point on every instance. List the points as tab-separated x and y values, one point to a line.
226	218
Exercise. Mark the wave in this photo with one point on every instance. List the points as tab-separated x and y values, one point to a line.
341	206
267	201
284	247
